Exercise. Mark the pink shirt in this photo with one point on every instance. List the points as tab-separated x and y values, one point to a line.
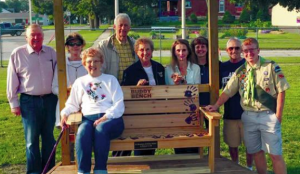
29	72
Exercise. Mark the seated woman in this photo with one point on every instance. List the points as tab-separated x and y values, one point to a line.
182	70
144	72
74	45
100	99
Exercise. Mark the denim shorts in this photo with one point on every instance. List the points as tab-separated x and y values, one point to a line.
262	131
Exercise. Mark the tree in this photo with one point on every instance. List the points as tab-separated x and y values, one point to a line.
2	5
290	4
245	16
228	18
43	7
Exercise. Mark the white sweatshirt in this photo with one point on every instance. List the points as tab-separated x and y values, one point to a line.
93	95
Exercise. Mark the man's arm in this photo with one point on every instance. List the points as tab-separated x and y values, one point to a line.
221	100
280	104
12	87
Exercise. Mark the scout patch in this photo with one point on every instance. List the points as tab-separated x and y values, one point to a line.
160	74
280	76
266	73
266	79
267	89
277	69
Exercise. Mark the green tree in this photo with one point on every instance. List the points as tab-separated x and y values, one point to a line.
263	15
43	7
290	4
140	12
228	18
245	16
3	5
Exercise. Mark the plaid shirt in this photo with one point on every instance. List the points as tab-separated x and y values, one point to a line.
125	54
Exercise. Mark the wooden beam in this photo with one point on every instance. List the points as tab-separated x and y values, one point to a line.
183	16
61	67
214	61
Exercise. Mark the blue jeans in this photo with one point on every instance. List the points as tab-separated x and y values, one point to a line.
38	117
98	137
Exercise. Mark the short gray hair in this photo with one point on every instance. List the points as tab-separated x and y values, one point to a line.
122	16
33	26
234	39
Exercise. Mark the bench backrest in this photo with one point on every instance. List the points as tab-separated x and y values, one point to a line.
161	106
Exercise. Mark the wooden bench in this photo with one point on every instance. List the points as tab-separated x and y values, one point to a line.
164	117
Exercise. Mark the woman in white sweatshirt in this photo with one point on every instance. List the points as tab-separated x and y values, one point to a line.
100	99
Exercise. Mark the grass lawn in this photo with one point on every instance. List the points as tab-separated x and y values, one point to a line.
89	35
12	144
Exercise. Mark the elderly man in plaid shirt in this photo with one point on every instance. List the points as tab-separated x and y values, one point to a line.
119	54
118	49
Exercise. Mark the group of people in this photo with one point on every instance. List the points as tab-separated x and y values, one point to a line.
95	75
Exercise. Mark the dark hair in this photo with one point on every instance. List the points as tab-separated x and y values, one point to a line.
199	40
174	57
74	36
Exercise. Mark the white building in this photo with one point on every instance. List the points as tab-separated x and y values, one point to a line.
281	17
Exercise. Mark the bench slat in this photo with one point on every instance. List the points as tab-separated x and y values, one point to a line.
162	133
160	106
160	121
159	92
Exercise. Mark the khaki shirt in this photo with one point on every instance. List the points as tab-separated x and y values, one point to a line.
268	76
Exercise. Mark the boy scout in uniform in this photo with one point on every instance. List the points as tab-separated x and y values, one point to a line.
262	86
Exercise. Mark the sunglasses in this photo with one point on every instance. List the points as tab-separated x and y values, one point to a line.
76	43
236	48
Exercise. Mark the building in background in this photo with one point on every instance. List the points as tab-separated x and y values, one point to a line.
170	10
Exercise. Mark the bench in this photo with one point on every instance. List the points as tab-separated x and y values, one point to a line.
163	29
164	117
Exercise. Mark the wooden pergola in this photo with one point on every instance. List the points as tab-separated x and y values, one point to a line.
212	87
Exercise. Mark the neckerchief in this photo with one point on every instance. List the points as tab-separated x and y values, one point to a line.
250	89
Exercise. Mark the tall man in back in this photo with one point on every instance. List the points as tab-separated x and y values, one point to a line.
118	49
233	129
30	73
119	54
261	85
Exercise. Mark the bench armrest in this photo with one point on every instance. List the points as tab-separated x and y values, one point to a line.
74	119
211	115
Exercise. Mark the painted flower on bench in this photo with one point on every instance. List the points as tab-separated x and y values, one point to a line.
190	103
192	119
169	136
190	91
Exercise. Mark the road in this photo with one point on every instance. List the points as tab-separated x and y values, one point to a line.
9	43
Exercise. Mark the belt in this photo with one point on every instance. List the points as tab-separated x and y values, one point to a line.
265	111
38	96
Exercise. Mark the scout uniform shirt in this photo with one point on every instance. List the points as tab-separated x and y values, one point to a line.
268	81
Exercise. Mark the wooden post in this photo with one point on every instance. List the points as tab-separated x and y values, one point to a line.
214	62
116	7
61	67
183	26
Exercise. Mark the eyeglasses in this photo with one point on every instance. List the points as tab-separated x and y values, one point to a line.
236	48
249	50
92	61
73	44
